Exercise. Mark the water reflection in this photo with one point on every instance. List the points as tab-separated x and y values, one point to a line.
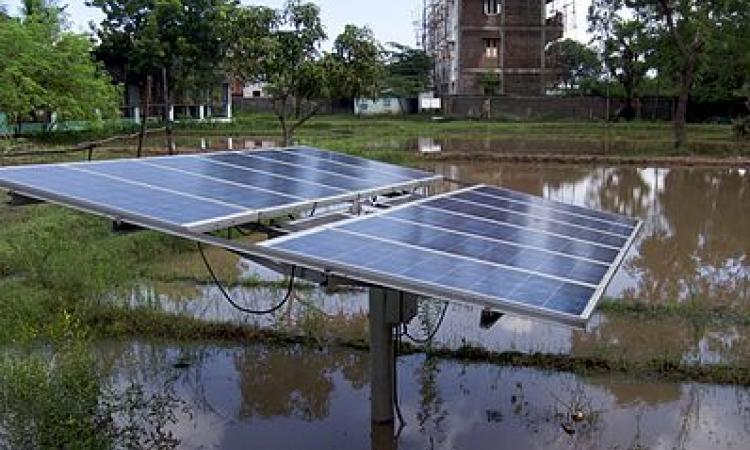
693	247
696	236
295	398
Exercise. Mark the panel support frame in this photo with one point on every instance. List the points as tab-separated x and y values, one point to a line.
387	309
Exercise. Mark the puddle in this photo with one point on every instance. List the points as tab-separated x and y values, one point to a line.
298	398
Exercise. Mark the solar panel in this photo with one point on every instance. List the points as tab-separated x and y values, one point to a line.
209	192
499	248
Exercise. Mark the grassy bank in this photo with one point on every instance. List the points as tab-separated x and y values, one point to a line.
387	138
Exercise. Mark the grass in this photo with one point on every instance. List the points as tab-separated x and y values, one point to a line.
384	133
387	138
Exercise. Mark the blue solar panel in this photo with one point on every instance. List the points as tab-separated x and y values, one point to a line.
90	190
213	191
483	245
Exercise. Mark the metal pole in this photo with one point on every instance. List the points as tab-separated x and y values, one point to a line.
382	437
381	358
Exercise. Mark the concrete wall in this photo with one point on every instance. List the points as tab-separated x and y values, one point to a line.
265	105
526	108
548	107
380	106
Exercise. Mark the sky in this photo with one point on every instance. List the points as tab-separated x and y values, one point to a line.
390	20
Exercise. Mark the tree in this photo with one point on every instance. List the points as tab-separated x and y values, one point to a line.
408	70
685	26
626	55
625	47
576	63
177	42
284	52
355	67
48	70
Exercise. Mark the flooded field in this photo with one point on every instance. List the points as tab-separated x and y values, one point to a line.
692	251
692	255
298	398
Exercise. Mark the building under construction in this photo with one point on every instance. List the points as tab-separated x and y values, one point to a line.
491	47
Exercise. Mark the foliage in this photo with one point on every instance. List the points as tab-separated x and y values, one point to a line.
47	69
355	67
578	65
691	40
490	83
408	70
626	56
184	38
285	54
58	397
625	46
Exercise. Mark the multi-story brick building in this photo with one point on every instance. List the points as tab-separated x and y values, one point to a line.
485	47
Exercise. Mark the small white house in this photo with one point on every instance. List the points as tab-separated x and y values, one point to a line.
378	106
255	90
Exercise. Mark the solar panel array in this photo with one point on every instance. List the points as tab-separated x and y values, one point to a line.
212	191
500	248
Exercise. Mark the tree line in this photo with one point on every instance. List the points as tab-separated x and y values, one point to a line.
687	49
188	46
682	48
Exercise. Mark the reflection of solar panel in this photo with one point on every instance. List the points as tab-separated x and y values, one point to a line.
215	191
503	249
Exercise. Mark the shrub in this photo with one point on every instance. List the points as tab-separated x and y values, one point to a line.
57	397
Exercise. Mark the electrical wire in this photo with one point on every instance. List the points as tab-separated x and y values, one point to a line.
396	401
290	290
431	336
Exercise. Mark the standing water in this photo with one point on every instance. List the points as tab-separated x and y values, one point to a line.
692	251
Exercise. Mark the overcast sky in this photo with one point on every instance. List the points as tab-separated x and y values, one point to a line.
391	20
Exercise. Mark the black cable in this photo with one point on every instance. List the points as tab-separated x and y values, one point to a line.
434	332
228	298
396	402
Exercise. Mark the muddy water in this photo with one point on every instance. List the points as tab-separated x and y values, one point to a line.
696	238
694	247
300	398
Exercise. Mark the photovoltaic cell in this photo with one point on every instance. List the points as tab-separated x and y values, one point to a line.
212	191
482	245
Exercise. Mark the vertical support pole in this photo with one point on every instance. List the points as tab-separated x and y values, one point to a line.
381	358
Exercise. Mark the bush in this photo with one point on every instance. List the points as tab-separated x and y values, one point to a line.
57	397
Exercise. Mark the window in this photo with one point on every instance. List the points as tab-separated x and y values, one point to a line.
492	7
490	48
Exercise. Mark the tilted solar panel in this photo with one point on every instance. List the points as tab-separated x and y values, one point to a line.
213	191
506	250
